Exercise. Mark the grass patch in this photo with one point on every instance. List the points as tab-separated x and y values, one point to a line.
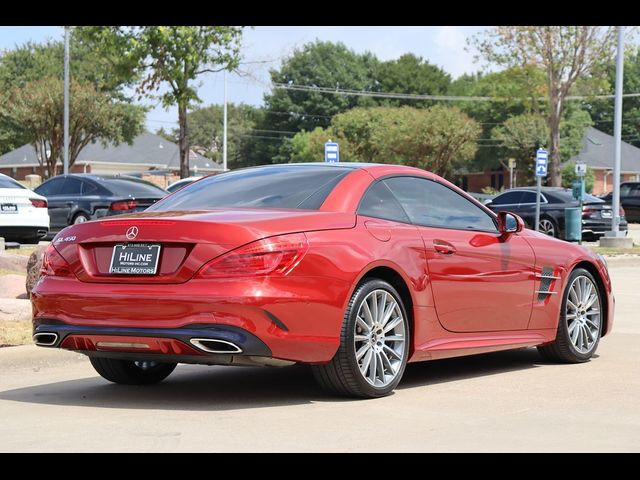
616	251
15	332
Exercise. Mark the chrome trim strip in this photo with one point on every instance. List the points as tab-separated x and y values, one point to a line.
546	293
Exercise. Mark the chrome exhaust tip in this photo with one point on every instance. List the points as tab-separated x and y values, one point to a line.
45	339
210	345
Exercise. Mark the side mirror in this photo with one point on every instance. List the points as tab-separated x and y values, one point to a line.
509	223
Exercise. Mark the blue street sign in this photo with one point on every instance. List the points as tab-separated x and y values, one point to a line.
542	157
331	152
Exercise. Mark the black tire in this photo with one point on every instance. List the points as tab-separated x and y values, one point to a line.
562	350
126	372
342	374
80	218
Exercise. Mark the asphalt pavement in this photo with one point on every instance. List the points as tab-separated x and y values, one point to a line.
52	400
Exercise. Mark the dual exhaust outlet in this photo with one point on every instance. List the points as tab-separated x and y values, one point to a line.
209	345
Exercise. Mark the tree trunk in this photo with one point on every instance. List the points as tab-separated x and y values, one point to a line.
555	171
183	141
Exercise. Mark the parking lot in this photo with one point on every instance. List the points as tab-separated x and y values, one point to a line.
507	401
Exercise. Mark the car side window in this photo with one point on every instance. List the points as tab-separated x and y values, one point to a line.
432	204
508	198
529	197
52	187
71	186
89	189
635	191
379	202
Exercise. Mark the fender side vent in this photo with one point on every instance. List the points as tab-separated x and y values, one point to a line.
546	278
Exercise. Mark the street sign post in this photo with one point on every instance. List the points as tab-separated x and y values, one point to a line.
512	165
542	158
581	171
331	152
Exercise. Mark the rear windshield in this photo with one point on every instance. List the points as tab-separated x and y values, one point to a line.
263	187
566	196
132	188
6	182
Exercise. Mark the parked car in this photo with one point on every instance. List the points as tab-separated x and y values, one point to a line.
183	182
355	269
77	198
629	200
596	213
23	213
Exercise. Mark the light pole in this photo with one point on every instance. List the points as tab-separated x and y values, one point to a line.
65	165
224	134
617	132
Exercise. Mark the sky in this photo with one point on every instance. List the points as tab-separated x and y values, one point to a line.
443	46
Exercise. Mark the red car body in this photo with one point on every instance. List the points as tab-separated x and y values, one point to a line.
487	296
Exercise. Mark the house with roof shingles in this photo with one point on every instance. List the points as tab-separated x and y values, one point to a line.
148	152
597	153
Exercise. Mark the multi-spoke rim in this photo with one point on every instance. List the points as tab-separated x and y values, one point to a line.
583	314
546	227
379	338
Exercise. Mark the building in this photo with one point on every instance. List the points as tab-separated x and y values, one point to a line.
598	155
147	153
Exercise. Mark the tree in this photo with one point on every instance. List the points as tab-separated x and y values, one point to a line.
439	139
520	136
411	74
566	53
601	110
171	56
206	131
38	106
32	61
569	176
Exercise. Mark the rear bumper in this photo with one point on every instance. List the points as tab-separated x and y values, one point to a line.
19	232
293	318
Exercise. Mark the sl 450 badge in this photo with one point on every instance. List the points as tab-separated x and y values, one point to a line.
71	238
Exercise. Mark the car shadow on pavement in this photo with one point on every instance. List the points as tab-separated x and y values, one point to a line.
222	388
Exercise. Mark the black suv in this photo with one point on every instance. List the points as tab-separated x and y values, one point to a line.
596	212
629	200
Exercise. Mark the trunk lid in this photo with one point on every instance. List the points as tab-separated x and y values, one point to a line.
187	239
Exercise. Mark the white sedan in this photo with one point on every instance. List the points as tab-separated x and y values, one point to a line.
23	213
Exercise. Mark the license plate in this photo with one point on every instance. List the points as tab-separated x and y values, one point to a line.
606	213
8	208
138	259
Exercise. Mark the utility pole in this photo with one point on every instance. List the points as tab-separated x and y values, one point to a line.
224	134
617	132
65	165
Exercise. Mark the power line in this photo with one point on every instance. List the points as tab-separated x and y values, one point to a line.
407	96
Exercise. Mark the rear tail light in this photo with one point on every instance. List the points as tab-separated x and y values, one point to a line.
271	256
621	212
53	264
38	203
124	205
586	211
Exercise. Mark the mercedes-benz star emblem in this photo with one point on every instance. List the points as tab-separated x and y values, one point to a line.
132	233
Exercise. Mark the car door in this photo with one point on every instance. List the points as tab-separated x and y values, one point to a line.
52	190
67	200
527	207
481	280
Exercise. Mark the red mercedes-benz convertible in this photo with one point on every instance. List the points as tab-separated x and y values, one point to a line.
355	269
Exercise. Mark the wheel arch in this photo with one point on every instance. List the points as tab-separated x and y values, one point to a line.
593	270
397	281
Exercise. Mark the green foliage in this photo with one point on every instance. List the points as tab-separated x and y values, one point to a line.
411	74
38	106
171	55
438	139
602	110
31	62
565	53
569	176
572	128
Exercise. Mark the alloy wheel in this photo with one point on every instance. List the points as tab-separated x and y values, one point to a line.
380	338
583	314
547	227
